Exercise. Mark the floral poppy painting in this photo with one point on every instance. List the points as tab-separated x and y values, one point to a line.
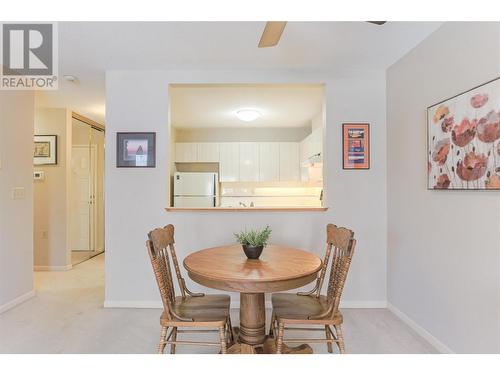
464	140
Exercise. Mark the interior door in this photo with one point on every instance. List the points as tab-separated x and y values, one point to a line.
97	194
87	189
80	199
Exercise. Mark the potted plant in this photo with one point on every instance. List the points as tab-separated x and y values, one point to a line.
253	241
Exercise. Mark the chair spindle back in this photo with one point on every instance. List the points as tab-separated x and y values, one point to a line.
161	248
341	243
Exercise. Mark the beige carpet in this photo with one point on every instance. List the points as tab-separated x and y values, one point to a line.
66	316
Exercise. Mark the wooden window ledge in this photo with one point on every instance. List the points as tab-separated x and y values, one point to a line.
250	209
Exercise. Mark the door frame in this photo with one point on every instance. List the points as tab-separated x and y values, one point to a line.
93	182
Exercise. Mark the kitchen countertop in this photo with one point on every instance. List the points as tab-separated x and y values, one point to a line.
233	209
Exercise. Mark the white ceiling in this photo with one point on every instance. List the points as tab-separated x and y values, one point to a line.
215	106
87	49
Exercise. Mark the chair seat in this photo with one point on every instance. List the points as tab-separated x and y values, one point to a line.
209	308
290	306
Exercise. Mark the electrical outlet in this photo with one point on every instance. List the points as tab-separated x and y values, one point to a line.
18	193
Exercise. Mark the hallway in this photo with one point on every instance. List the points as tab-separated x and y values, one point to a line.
66	316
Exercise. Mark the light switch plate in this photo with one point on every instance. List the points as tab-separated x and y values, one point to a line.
39	175
18	193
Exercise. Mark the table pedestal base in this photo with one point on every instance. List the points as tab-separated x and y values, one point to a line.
251	335
252	318
268	347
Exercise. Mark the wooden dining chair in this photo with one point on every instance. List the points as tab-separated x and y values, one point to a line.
312	308
189	311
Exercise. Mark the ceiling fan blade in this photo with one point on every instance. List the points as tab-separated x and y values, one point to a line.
379	23
272	33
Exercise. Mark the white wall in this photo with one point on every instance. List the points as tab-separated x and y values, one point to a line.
444	246
317	121
52	194
136	198
16	216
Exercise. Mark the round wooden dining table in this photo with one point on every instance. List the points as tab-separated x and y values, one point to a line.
279	268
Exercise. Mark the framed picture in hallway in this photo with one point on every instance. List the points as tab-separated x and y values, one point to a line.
356	146
463	140
135	150
45	150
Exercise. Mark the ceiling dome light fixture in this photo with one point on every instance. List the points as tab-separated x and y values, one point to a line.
248	114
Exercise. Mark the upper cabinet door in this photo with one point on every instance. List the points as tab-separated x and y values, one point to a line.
317	141
185	152
207	152
229	161
249	161
305	148
269	161
312	145
289	161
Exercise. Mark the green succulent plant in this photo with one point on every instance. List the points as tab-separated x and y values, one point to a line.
254	237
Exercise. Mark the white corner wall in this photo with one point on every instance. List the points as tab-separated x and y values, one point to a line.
51	195
443	246
16	216
136	198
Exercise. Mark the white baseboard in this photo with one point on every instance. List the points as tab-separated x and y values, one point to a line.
134	304
16	301
53	268
235	304
375	304
436	343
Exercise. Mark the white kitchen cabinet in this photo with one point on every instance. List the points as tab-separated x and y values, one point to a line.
305	146
229	161
185	152
246	161
249	161
207	152
312	145
289	161
269	161
317	142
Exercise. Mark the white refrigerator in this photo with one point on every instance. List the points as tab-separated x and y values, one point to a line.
195	189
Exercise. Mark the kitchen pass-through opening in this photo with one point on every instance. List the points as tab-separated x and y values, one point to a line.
238	146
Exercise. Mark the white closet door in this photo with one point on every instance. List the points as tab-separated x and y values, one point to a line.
207	152
185	152
229	164
269	161
249	161
289	161
80	202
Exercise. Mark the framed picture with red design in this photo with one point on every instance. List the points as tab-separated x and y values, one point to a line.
356	146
